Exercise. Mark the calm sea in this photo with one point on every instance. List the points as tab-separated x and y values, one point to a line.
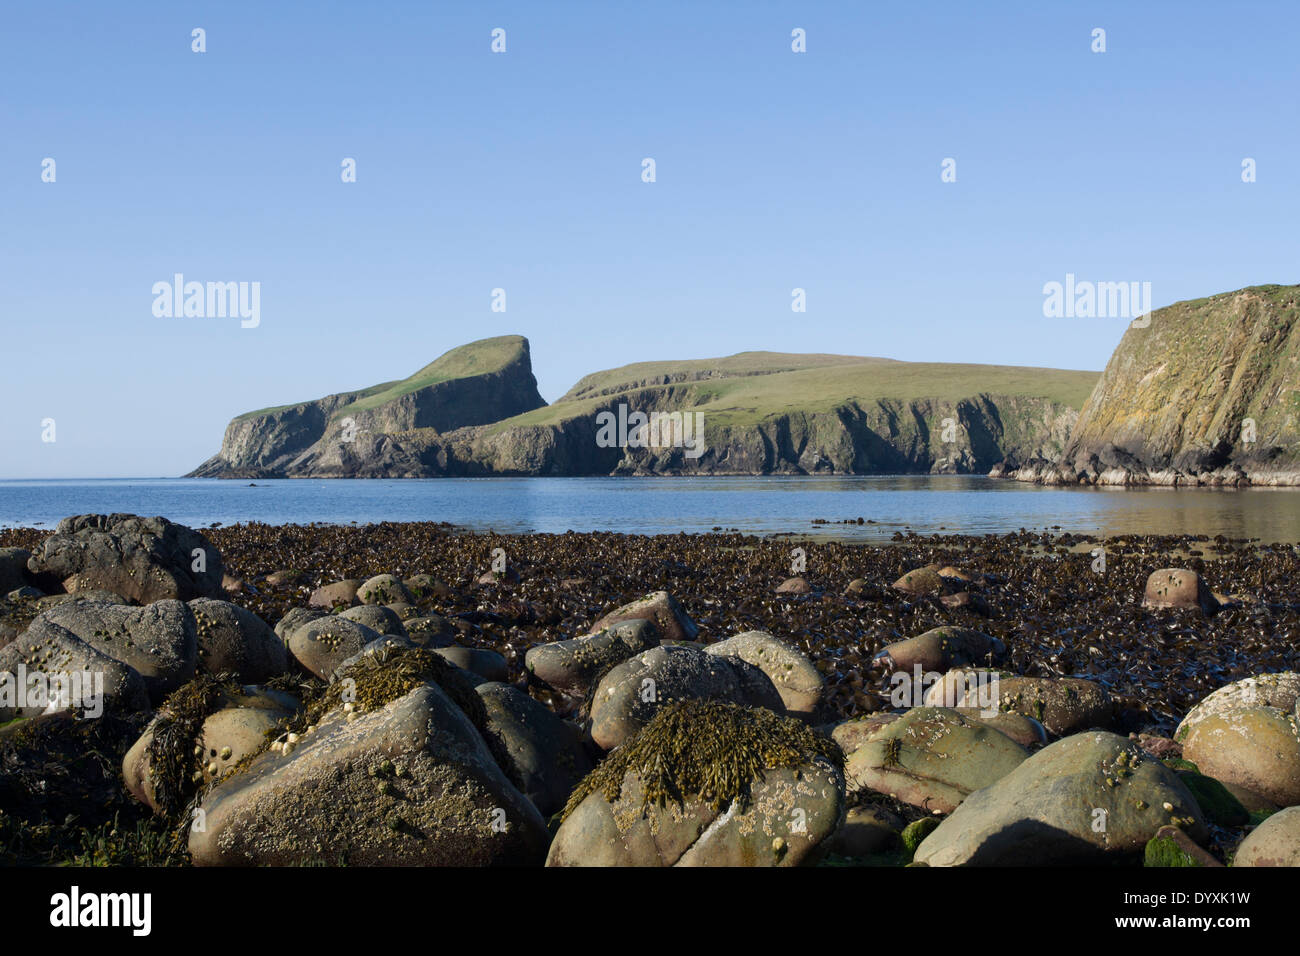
759	505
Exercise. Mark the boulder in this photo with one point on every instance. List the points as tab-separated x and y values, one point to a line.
940	649
487	664
1178	587
1256	748
340	593
920	581
1281	690
1082	800
380	619
235	641
384	589
407	782
13	569
852	734
707	783
932	758
572	666
1275	842
158	641
1064	705
422	586
629	695
211	728
546	756
325	643
90	682
1172	847
798	682
867	830
142	559
295	618
794	586
430	631
659	607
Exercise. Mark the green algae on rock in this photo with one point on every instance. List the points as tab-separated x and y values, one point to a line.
710	749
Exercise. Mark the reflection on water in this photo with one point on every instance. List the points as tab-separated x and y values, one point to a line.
759	505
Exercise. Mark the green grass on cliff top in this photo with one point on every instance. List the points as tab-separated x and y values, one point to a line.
476	358
755	386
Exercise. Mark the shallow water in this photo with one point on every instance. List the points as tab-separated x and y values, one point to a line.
759	505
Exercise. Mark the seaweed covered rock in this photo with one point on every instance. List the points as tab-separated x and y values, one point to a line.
546	756
659	607
798	682
384	589
389	767
628	696
143	559
158	641
1275	842
1256	748
1179	587
1082	800
1281	690
233	640
1171	847
200	733
707	783
321	645
933	758
571	667
940	649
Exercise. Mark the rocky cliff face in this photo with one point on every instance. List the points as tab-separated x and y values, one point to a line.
349	433
1207	393
478	425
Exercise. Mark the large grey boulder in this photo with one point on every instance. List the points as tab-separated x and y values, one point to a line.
629	695
142	559
233	640
159	641
1081	800
13	569
407	783
322	644
933	758
92	683
546	755
572	666
799	683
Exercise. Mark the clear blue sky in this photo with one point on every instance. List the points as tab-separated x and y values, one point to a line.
477	170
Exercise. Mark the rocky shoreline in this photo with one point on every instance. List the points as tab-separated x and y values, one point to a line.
412	694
